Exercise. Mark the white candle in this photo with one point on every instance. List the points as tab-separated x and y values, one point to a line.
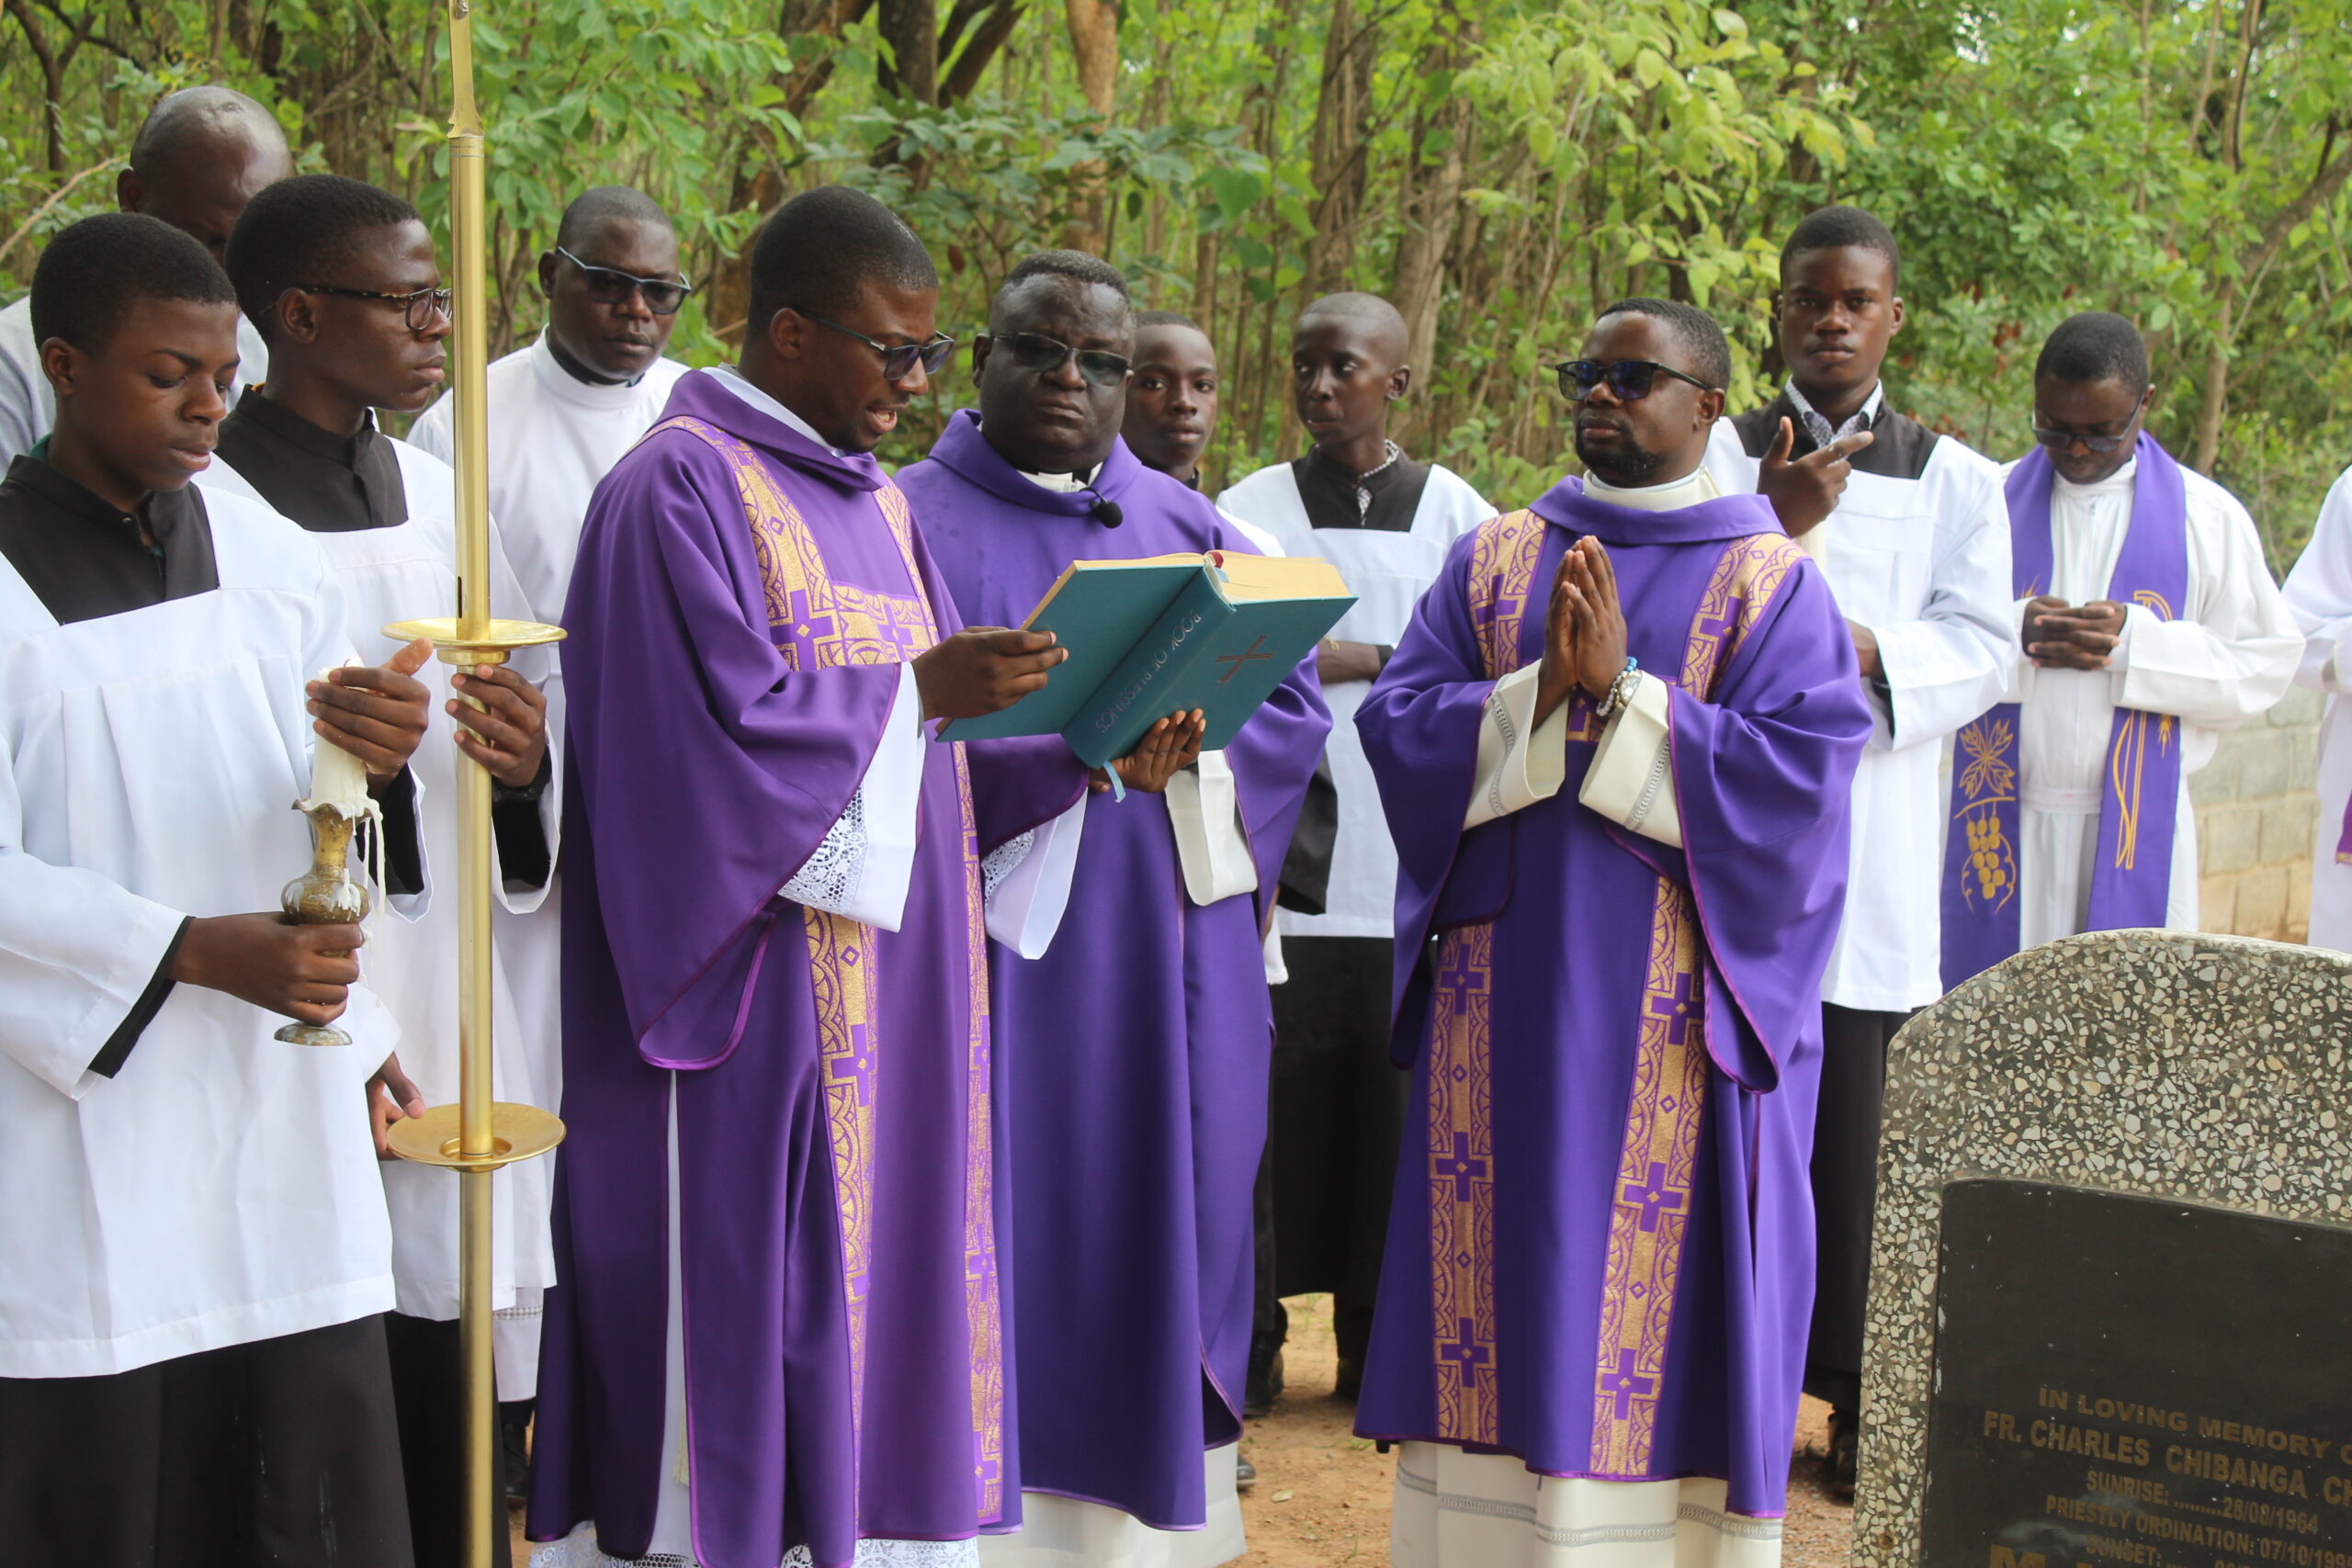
337	778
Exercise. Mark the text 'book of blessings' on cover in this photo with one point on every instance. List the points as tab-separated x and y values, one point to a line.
1166	634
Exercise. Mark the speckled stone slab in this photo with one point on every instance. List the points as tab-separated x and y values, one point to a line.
2174	1064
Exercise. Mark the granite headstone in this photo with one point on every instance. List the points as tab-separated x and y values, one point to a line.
2110	1312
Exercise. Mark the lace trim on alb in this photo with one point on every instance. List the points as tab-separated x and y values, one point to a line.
1005	859
830	879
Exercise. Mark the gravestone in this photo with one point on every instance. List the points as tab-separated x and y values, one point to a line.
2110	1312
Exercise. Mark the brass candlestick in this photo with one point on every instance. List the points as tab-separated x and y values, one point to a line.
326	894
475	1136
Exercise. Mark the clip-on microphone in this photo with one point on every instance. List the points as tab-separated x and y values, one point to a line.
1105	511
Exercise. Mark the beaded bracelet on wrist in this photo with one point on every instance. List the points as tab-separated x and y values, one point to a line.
1620	692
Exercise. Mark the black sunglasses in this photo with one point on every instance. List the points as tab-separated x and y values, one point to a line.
610	286
2059	440
419	307
898	358
1630	380
1035	351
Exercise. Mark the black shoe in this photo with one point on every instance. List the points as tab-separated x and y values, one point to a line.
1244	1475
1349	1382
515	1449
1844	1442
1265	1384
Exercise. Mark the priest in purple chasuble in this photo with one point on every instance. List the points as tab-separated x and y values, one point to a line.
1615	748
779	1333
1137	1045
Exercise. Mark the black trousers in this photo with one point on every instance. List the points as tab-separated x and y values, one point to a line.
281	1454
429	1390
1335	1121
1845	1195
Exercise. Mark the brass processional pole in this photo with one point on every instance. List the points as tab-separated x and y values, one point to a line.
475	1136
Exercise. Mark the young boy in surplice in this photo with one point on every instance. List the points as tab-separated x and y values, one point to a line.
196	1260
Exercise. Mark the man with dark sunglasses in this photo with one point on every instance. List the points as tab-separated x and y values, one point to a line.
784	1187
1137	1044
1613	747
561	413
563	409
1911	534
2148	623
1385	519
341	279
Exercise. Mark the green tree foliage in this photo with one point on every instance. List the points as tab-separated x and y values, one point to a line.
1498	167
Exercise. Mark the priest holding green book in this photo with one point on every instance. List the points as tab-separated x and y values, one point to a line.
1135	1046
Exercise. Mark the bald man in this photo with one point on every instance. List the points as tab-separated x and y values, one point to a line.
198	158
1386	521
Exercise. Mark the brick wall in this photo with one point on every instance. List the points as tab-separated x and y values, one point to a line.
2257	816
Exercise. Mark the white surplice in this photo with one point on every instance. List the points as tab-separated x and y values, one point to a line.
552	437
2319	591
1387	571
1924	563
221	1188
28	407
400	573
2226	658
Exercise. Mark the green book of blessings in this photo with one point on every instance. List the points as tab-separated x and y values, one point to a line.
1166	634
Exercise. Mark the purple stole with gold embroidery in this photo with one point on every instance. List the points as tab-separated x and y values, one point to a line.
818	623
2132	870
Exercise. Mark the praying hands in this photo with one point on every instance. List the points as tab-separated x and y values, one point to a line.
2059	635
1584	629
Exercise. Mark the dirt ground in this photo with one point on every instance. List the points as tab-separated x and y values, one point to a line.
1322	1492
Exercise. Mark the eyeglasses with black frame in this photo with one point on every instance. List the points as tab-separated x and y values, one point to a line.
898	358
1630	380
611	285
2059	440
419	306
1043	355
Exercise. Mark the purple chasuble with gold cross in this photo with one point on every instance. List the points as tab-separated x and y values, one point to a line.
743	603
1600	1256
1137	1049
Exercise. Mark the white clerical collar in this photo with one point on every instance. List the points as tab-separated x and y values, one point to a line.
1693	487
1059	484
1816	423
563	384
1063	484
2120	480
735	381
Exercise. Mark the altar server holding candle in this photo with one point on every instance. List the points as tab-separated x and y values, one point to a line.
342	277
196	1265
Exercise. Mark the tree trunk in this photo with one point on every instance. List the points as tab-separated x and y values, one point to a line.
912	29
1094	41
1432	203
2329	178
758	182
967	64
1342	120
52	80
2217	385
